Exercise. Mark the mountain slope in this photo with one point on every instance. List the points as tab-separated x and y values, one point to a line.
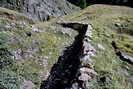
28	49
110	24
107	21
40	9
27	52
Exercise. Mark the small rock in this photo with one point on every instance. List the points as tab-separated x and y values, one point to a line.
90	27
88	48
12	25
128	58
18	54
84	77
89	31
125	57
86	59
100	47
28	34
22	23
27	85
74	86
87	39
87	70
34	29
117	24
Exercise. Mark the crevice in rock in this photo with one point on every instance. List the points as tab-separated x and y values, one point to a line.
121	55
69	72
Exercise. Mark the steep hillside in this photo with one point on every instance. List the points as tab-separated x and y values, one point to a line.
111	24
40	9
29	50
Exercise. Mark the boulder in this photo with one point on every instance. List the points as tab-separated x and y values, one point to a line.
27	85
84	77
87	70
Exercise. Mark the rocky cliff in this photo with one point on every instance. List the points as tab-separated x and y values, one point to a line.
40	9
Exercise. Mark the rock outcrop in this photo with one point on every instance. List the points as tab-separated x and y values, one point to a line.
40	9
123	56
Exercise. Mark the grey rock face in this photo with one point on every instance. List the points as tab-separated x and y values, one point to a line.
27	85
39	9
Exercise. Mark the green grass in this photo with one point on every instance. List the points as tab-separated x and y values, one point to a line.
48	43
103	18
13	15
51	42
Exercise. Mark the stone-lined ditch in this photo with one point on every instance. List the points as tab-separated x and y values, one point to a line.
74	68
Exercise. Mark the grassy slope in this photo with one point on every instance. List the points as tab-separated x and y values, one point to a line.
103	18
45	46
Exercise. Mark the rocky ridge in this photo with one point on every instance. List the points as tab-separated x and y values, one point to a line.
41	10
